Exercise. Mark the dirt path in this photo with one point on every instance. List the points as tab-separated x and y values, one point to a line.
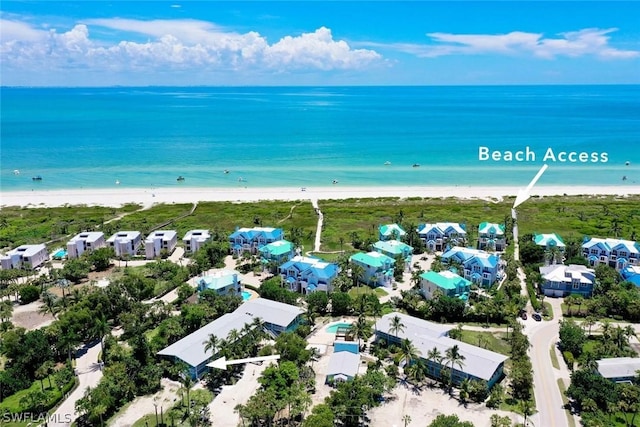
144	405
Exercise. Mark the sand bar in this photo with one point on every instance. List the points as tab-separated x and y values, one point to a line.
147	196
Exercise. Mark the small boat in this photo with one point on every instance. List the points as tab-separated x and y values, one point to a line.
387	163
416	165
624	178
335	181
627	163
37	178
241	179
16	172
117	182
180	178
226	171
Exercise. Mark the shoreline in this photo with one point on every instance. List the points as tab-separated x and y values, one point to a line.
168	195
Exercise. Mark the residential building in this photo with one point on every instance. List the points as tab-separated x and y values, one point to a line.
395	249
195	239
619	369
125	243
308	274
561	280
549	241
159	242
223	282
480	267
275	317
277	252
343	366
616	253
441	235
631	273
25	256
445	282
252	239
478	364
391	232
378	268
85	242
491	236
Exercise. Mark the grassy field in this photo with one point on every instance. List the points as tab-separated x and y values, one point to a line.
494	341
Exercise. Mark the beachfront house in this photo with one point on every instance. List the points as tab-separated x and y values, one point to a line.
480	267
195	239
549	241
222	282
308	274
85	242
446	283
560	280
277	253
275	317
252	239
377	268
391	232
478	363
25	256
619	369
616	253
125	243
159	243
440	235
395	249
491	236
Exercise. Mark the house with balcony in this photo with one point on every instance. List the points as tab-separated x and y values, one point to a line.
616	253
446	283
277	252
25	256
85	242
308	274
252	239
560	280
395	249
195	239
222	282
479	364
441	235
160	242
125	243
480	267
377	268
391	232
491	237
549	241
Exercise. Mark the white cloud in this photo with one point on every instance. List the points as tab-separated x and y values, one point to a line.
174	44
589	41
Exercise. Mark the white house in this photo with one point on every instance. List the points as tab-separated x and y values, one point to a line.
619	369
25	256
194	239
125	242
158	241
85	242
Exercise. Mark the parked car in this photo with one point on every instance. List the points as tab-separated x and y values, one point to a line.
537	317
523	315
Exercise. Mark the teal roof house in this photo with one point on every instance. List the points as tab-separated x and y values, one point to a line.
480	267
438	236
491	237
616	253
307	274
395	249
223	282
252	239
277	252
479	364
561	280
548	241
378	268
445	282
391	232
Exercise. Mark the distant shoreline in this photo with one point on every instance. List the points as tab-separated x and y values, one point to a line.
167	195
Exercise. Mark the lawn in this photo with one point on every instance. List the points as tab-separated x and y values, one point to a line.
12	403
554	358
364	290
494	341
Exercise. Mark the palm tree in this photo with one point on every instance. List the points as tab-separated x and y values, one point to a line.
589	322
407	353
187	382
213	344
49	305
406	419
434	356
99	330
465	390
452	354
396	326
357	273
361	329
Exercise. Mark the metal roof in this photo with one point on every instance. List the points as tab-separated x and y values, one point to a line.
344	362
619	367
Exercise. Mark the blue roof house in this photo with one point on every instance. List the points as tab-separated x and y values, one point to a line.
616	253
631	273
252	239
438	236
391	232
446	282
378	268
223	282
562	280
277	252
480	267
395	249
491	236
307	274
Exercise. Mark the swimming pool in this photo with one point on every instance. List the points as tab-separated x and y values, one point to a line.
246	295
332	329
60	254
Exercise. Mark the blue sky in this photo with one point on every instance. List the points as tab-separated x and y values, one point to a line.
181	43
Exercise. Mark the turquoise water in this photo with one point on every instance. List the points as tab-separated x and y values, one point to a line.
246	295
334	328
309	136
60	254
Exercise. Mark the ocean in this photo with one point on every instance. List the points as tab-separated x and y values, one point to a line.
314	136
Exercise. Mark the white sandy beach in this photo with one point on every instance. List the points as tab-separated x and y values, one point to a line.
147	197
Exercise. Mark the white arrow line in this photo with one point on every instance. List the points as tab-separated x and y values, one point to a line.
223	362
523	195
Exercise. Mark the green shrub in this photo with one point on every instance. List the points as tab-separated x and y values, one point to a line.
29	293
